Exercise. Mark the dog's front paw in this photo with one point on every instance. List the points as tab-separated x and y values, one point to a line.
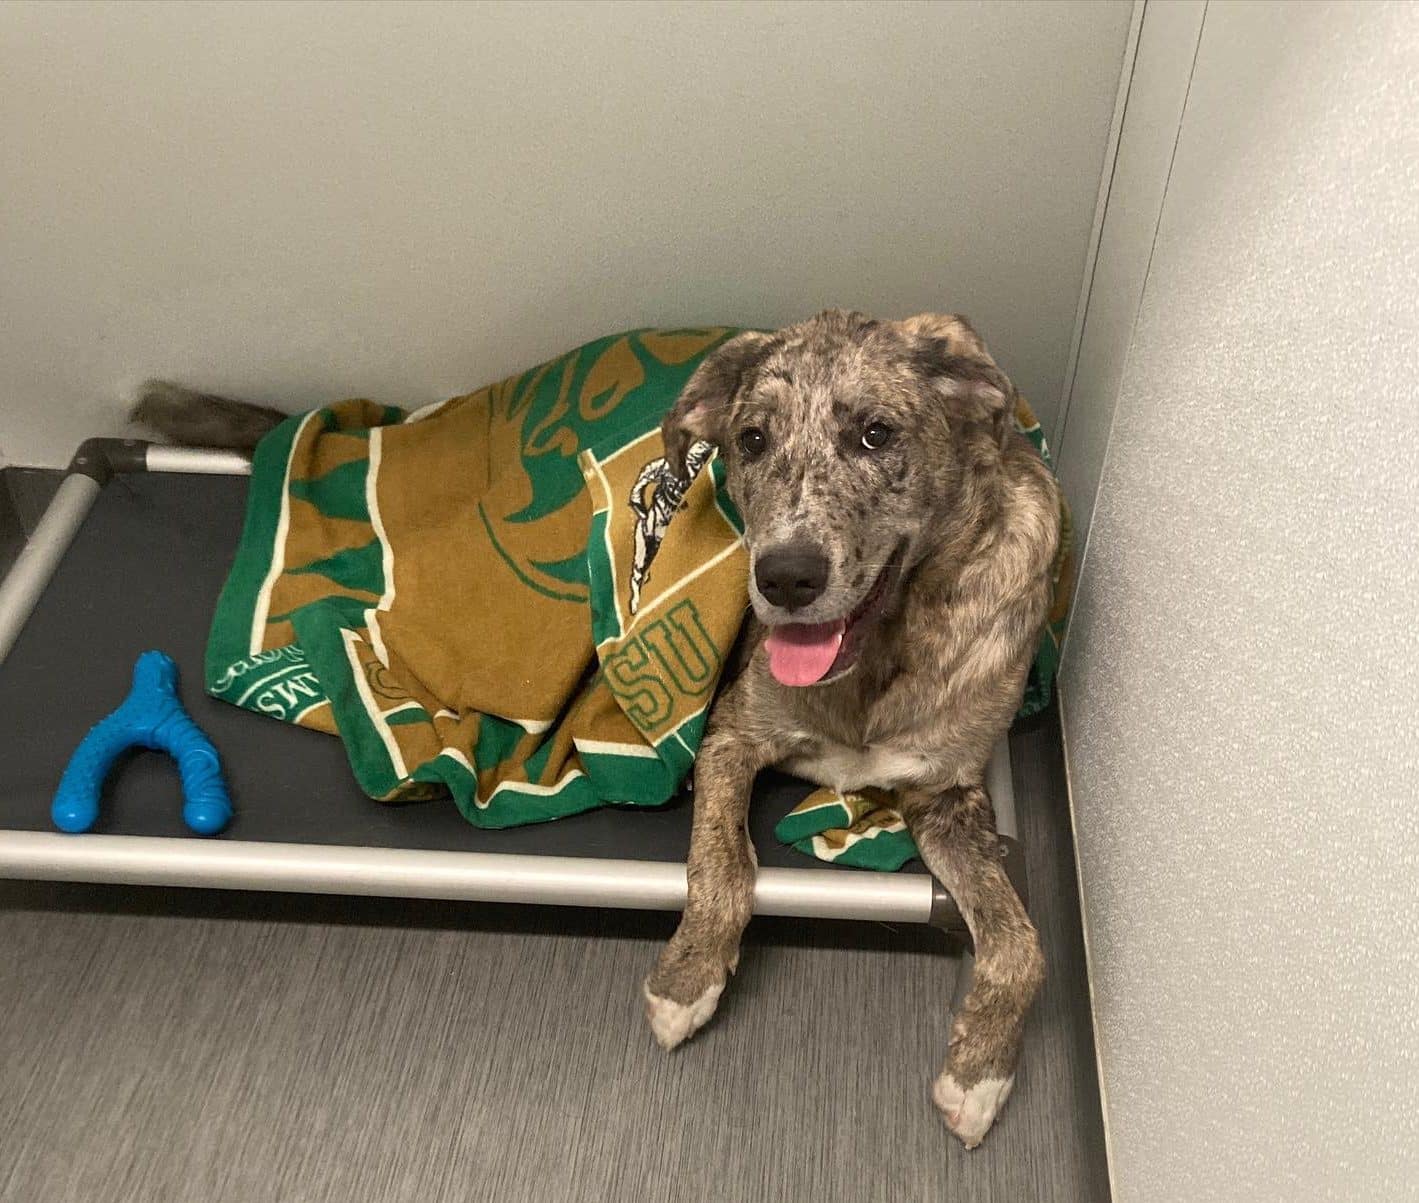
683	991
969	1111
673	1023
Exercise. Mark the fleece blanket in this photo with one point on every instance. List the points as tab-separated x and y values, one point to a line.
488	598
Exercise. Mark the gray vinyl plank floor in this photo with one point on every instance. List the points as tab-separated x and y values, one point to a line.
164	1046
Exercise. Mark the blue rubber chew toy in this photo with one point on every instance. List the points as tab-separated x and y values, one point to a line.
151	716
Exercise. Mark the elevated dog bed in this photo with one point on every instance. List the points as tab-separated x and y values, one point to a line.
131	555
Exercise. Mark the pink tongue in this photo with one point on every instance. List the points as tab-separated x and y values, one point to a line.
801	653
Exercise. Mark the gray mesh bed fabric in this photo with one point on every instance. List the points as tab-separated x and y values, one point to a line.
144	571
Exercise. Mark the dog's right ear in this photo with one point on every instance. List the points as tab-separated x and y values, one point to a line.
974	389
704	402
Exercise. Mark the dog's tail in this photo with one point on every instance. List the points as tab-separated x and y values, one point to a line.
193	419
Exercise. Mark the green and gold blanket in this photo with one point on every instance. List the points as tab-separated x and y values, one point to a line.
487	598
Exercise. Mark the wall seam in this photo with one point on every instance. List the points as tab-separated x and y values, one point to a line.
1133	326
1060	687
1101	203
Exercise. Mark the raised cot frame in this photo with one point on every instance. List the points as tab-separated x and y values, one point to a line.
559	880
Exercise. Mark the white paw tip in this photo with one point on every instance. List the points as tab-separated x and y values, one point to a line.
672	1022
970	1112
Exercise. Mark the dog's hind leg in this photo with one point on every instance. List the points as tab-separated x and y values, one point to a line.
955	833
683	990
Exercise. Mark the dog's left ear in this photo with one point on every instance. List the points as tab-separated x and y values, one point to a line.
975	390
704	402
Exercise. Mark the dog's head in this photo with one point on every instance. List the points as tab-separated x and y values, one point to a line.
846	443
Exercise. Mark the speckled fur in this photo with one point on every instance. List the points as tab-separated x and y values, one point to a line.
941	673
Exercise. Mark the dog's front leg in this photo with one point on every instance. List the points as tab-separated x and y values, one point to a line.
684	988
955	833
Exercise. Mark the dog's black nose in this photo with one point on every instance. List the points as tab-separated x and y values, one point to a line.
793	575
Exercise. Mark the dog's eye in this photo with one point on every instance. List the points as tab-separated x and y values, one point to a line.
876	436
753	442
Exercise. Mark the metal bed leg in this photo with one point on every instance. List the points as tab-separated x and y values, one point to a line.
1000	785
39	557
95	463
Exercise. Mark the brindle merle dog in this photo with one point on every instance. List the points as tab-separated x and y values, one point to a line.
901	535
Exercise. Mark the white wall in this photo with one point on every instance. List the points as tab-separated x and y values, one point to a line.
1242	674
302	202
